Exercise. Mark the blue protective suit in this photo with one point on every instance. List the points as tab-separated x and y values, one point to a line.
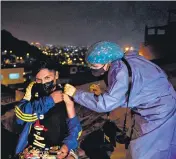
152	96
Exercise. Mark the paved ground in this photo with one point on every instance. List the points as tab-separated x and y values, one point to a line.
119	152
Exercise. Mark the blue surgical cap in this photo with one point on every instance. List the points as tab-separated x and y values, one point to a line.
104	52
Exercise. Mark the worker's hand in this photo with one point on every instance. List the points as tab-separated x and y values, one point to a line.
95	88
63	152
57	96
69	90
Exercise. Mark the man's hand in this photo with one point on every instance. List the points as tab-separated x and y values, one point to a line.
57	96
63	152
69	90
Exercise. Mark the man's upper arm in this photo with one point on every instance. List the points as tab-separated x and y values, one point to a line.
29	111
24	113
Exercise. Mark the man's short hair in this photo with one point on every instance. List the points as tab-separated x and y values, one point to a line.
45	64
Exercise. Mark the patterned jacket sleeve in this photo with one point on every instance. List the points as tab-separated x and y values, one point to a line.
28	111
75	131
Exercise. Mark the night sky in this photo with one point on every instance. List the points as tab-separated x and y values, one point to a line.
82	23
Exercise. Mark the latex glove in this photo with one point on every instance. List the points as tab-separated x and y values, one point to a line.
95	88
69	90
27	95
63	152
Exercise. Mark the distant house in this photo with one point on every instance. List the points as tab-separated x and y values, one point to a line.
162	39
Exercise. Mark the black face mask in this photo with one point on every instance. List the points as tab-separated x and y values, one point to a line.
45	89
98	72
48	87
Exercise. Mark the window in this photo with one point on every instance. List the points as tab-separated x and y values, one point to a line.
14	76
73	70
161	32
151	31
1	77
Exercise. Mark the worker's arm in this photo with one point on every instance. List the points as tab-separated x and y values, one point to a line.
114	97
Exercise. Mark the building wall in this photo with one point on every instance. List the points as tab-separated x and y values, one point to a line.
12	76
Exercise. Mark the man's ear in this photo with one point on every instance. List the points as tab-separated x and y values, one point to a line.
57	75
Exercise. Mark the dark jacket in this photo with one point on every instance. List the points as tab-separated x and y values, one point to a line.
61	129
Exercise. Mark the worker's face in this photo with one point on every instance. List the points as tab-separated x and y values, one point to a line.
47	78
99	69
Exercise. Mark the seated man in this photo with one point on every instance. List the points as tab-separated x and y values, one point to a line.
50	127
